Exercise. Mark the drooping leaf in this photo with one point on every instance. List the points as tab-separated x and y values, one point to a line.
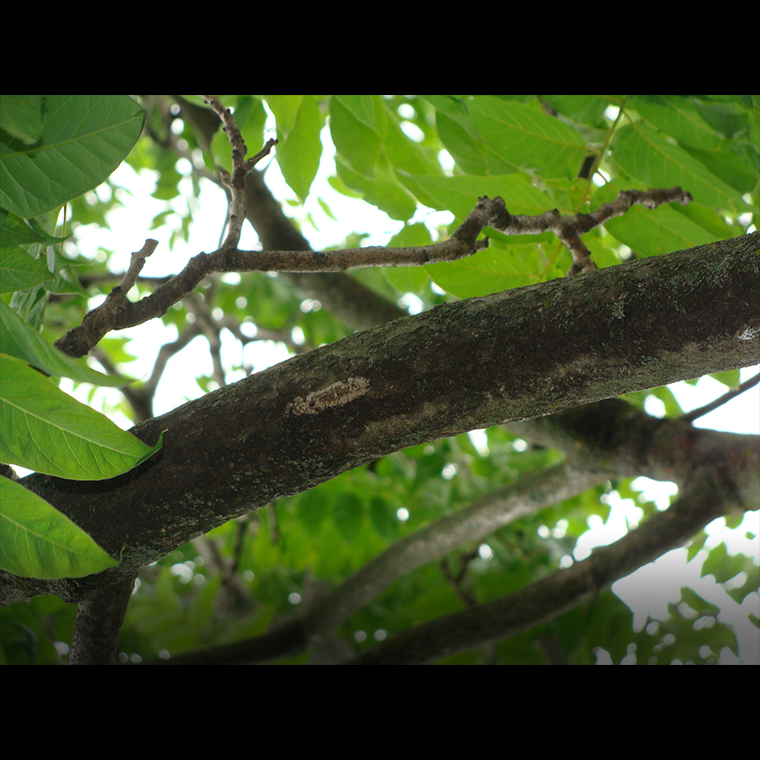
357	126
44	429
19	271
300	150
38	541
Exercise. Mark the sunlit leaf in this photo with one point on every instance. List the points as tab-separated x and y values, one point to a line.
38	541
44	429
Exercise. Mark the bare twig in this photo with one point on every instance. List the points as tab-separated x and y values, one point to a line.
569	229
240	167
725	398
136	264
487	213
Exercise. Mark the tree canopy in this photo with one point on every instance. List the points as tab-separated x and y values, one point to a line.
463	401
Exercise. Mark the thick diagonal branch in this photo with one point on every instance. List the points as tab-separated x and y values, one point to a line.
515	355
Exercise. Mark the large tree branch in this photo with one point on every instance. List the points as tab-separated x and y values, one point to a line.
514	355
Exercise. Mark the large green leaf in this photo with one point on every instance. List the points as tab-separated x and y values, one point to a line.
44	429
84	138
651	158
21	116
37	541
678	117
527	137
19	339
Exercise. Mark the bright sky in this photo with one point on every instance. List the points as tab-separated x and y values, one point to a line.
649	589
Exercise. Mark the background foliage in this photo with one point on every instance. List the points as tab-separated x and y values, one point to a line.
408	157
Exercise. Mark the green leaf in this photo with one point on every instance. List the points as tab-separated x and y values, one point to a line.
408	279
382	190
84	139
403	153
524	136
357	126
19	339
348	513
312	510
490	271
20	116
730	378
299	152
459	135
651	158
19	271
459	194
44	429
582	109
678	117
651	232
38	541
285	109
14	231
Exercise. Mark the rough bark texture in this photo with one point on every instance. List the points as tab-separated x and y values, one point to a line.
514	355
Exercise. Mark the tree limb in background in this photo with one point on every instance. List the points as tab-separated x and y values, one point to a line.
704	500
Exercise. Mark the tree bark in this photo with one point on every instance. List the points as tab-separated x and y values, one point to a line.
510	356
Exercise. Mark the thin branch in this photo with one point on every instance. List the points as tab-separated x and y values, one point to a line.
569	228
137	262
240	167
117	312
725	398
